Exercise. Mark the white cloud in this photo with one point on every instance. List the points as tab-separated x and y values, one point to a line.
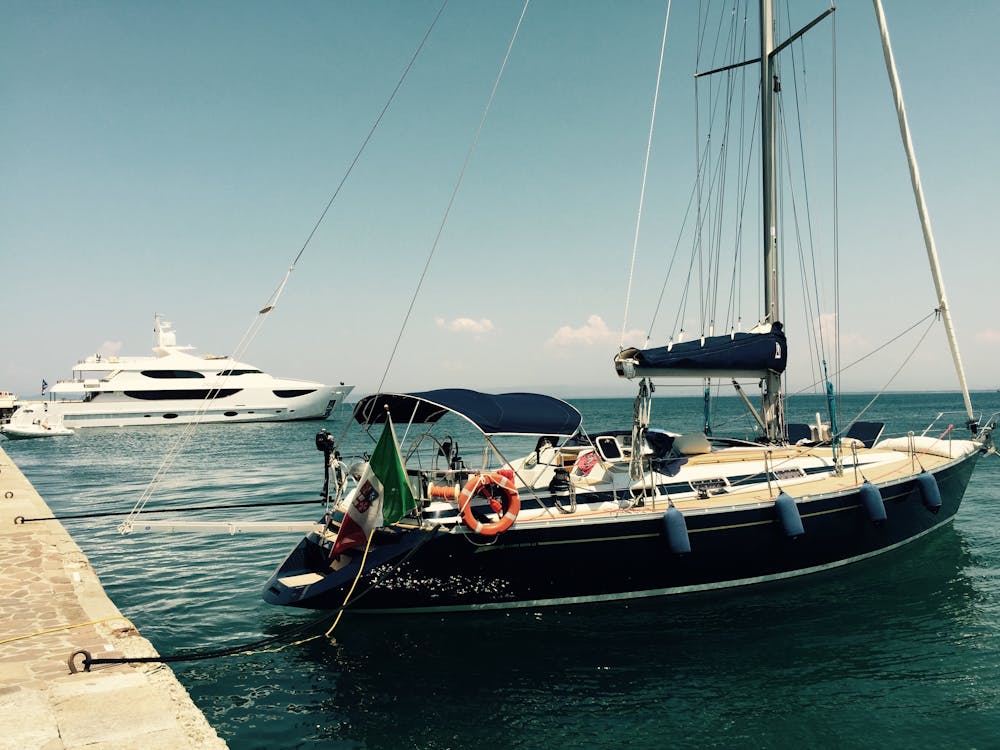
110	348
827	324
594	332
989	336
466	325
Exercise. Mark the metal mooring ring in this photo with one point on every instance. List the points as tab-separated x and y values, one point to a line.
72	663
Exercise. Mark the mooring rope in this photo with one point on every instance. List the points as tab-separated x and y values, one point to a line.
255	647
67	627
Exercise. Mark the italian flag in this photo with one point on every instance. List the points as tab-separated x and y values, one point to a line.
382	496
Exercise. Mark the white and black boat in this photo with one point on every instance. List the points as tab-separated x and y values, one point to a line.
619	515
638	512
176	386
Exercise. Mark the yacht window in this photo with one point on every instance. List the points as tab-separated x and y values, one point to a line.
198	394
170	374
294	393
231	373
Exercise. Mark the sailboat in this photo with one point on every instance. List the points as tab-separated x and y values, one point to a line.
631	513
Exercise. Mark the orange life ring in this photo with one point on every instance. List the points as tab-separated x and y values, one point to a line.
506	486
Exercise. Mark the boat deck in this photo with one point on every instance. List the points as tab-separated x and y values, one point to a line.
877	473
880	466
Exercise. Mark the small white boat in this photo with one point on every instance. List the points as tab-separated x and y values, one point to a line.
40	427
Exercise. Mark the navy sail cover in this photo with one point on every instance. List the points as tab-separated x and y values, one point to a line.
748	354
493	414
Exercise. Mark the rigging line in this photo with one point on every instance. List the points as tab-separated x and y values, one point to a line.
720	100
741	187
273	300
805	182
696	253
704	155
796	224
814	331
704	210
178	444
701	158
836	211
702	31
707	168
454	194
718	32
709	287
703	167
371	131
717	250
670	267
645	173
873	352
811	335
898	370
735	288
704	161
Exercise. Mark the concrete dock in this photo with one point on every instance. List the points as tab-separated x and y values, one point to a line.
52	604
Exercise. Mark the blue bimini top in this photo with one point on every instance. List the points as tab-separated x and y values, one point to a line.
492	414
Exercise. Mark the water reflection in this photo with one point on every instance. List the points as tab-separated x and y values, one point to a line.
878	634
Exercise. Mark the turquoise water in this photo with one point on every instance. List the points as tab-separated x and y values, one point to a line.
902	652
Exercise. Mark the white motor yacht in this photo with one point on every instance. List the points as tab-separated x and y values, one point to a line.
176	386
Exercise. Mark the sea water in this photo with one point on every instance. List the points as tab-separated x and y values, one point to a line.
898	652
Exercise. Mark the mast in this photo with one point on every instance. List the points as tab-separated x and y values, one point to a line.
925	220
768	89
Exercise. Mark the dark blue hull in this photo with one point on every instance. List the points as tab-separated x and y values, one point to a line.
618	558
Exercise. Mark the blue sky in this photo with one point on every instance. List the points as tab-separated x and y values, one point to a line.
173	157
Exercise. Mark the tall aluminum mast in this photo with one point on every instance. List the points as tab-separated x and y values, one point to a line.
768	84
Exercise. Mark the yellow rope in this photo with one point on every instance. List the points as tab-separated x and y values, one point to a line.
357	578
67	627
